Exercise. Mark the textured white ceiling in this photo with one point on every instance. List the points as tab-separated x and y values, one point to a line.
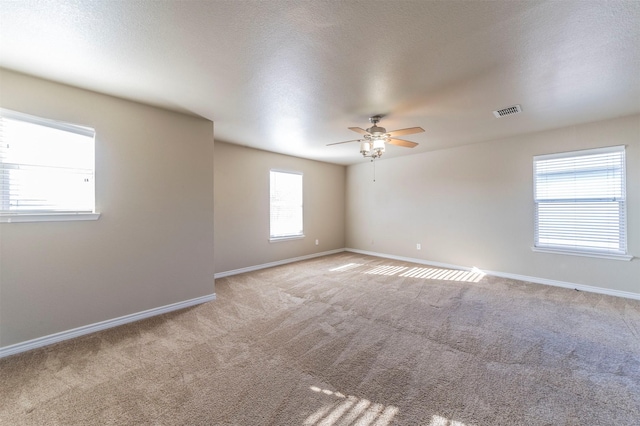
291	76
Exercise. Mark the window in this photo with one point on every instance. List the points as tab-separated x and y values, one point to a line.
580	202
286	205
46	169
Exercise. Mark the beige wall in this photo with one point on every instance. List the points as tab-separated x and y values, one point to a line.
153	244
472	206
242	207
156	175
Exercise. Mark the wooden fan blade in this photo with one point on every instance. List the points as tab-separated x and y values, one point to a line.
359	130
407	131
402	142
338	143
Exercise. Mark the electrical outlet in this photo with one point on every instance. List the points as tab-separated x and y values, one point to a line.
317	242
418	246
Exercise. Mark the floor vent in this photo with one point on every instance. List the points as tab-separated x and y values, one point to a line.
510	110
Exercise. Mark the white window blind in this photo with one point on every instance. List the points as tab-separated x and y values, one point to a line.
285	205
46	166
580	201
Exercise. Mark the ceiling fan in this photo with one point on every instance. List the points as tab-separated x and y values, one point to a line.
374	140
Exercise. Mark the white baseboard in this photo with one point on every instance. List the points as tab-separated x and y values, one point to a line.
276	263
535	280
565	284
92	328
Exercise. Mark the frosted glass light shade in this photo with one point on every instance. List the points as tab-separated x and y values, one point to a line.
365	148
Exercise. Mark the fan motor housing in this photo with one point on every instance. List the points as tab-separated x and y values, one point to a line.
377	131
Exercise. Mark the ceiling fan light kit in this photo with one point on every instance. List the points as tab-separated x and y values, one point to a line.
373	143
365	148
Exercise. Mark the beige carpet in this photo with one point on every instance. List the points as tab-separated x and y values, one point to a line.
347	340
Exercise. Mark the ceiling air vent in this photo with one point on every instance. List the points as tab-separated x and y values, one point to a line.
510	110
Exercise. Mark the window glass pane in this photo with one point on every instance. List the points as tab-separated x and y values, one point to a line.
285	204
580	201
584	177
579	225
45	166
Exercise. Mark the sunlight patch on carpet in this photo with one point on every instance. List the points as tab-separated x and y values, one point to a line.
346	267
472	276
443	421
387	270
349	410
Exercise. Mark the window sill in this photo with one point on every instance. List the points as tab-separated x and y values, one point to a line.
288	238
623	257
48	217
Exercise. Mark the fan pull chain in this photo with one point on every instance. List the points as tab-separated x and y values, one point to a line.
373	160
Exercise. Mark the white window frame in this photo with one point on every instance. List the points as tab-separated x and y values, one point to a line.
39	213
275	237
578	175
